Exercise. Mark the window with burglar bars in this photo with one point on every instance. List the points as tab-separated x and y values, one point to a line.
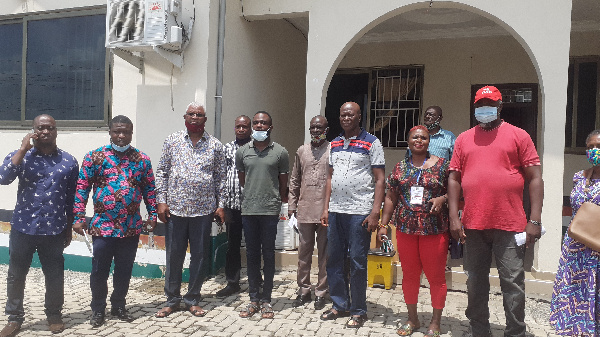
395	103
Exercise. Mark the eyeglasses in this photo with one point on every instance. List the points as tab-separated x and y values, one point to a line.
195	114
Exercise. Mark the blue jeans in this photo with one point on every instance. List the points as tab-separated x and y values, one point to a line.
50	251
347	238
123	251
260	232
180	231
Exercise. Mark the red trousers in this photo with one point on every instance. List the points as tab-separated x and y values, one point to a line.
423	253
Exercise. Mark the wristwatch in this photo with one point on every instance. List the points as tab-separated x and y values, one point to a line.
537	223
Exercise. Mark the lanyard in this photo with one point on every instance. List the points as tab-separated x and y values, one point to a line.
420	168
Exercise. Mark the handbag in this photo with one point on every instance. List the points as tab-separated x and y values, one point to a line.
585	226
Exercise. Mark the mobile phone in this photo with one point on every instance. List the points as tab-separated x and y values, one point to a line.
31	139
428	206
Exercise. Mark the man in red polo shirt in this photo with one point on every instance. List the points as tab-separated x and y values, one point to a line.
491	163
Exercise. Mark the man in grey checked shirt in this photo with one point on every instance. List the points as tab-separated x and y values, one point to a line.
189	193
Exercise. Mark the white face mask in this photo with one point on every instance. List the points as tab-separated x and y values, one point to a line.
260	136
120	148
486	114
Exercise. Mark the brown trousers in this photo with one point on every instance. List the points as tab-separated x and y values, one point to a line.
307	233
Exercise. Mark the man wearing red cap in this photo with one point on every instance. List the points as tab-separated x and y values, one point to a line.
491	163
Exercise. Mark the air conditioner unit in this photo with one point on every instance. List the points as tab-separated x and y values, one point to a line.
139	25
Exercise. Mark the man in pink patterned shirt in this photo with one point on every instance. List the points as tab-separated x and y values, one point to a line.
121	176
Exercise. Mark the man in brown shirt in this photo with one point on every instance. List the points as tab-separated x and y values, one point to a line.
306	199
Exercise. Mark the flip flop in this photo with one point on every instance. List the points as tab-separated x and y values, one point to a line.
164	312
356	322
197	311
250	310
431	333
406	329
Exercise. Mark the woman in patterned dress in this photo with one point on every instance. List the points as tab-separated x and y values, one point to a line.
575	307
415	204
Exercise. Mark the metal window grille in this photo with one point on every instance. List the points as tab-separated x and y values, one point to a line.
522	95
395	104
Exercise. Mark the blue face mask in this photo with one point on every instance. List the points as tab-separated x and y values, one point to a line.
486	114
260	136
120	148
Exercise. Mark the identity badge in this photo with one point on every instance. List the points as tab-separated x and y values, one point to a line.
416	195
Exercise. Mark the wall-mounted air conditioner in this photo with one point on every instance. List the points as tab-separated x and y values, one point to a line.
139	25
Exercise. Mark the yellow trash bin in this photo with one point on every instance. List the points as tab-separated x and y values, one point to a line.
379	268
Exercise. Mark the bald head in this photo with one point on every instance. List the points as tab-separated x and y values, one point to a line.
320	119
351	106
350	119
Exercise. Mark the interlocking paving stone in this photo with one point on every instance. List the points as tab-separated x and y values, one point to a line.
146	296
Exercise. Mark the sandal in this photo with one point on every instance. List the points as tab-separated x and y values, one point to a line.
250	310
197	311
164	312
266	310
431	333
356	322
406	329
329	315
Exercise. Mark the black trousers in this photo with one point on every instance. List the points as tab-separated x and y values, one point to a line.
50	251
233	260
107	249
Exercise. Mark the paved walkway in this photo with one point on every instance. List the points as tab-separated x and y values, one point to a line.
386	310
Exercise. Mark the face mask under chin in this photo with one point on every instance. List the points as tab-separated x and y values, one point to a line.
120	148
260	136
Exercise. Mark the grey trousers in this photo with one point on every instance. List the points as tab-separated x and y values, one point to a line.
480	244
305	251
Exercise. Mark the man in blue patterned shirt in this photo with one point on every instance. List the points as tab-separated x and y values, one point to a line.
233	208
190	194
41	221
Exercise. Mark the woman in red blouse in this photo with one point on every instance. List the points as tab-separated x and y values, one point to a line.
416	204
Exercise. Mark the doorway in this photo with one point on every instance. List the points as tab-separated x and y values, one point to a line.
519	106
345	87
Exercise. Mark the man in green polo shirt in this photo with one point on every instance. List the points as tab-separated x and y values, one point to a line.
263	167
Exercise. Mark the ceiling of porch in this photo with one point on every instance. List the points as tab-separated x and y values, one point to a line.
448	23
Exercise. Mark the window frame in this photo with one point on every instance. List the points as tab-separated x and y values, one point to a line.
64	124
575	61
372	82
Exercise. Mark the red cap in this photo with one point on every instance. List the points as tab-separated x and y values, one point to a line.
488	91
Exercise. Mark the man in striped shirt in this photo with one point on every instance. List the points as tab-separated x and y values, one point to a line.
441	142
354	194
233	208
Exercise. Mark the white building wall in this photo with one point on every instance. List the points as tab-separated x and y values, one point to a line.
265	69
148	98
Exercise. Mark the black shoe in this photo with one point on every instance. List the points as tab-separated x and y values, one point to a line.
320	302
301	299
229	290
97	319
122	314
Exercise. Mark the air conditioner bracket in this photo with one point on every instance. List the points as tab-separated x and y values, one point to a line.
129	57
